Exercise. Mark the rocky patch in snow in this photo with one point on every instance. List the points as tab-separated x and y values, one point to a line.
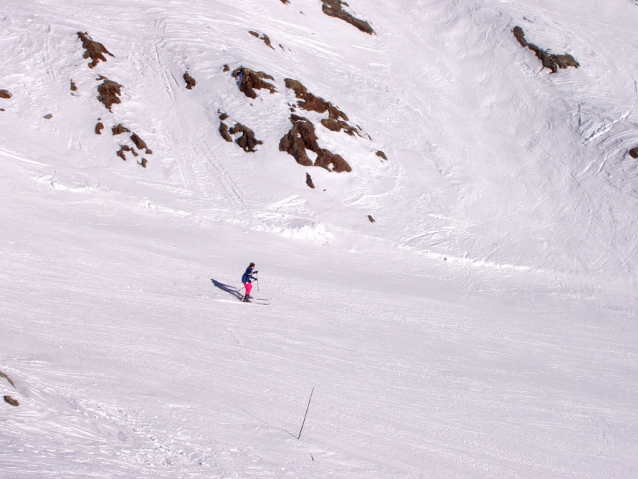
8	399
93	50
249	81
264	38
309	181
549	60
334	8
109	93
245	137
302	137
190	81
336	121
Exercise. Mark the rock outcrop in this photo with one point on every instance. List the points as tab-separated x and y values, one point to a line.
336	121
549	60
334	8
302	137
250	80
93	50
109	93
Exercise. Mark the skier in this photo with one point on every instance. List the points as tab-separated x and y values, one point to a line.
247	280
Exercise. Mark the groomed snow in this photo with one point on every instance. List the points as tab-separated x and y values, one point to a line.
483	327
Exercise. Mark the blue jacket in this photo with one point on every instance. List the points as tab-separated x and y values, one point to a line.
248	275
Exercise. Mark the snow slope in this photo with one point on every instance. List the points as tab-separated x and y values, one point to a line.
483	326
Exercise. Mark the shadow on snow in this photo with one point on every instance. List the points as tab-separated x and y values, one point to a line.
228	289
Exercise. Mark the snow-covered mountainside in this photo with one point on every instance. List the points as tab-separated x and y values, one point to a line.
440	197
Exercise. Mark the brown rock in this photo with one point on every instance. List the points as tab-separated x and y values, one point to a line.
143	162
549	60
3	375
250	80
309	181
634	152
263	38
190	81
337	119
121	151
141	144
334	8
10	400
371	218
109	92
99	127
331	161
5	94
302	137
48	116
223	131
119	129
381	154
73	86
93	50
247	140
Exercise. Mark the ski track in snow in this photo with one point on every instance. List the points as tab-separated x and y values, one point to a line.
483	327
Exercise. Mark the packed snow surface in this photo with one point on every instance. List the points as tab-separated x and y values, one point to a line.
484	326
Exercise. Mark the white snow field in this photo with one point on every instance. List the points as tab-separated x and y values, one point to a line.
484	326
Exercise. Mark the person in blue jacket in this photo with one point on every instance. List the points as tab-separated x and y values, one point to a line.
247	278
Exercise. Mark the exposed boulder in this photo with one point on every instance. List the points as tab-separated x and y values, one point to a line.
190	81
109	93
223	131
634	152
141	144
247	140
119	129
381	154
93	50
337	119
302	137
73	86
121	151
143	162
99	127
334	8
371	219
250	80
12	401
6	94
48	116
549	60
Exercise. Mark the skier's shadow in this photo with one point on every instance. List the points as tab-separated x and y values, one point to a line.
228	289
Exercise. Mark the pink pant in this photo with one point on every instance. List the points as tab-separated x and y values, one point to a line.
248	287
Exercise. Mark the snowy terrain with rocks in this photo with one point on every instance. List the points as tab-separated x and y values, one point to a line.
441	199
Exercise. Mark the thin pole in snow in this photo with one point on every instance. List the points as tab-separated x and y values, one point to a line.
305	415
